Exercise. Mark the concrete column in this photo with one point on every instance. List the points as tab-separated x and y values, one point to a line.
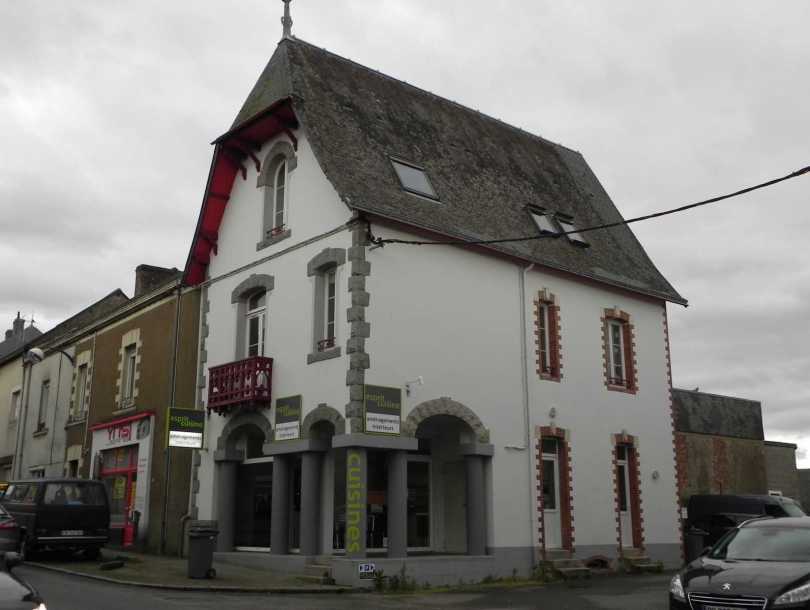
397	501
225	504
310	502
356	501
476	506
280	513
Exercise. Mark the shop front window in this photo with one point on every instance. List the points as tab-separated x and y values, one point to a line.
418	504
119	473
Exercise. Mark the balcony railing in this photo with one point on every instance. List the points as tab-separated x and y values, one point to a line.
245	383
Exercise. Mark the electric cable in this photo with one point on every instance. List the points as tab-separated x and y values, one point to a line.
455	242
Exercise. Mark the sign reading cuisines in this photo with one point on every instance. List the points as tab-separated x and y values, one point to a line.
186	428
383	408
288	418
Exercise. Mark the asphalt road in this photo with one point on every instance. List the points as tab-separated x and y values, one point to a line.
63	592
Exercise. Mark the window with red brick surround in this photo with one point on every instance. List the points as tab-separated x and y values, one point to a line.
547	336
619	345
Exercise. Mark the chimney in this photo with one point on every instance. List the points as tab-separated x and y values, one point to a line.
19	326
149	277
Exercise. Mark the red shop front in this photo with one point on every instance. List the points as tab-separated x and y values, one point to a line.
121	455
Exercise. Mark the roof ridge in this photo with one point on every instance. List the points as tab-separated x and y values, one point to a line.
295	39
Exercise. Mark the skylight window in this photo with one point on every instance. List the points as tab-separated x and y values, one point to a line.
414	179
543	221
574	237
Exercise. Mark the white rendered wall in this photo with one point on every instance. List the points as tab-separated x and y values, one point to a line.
453	317
314	209
46	450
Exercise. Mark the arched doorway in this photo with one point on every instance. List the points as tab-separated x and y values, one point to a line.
254	491
446	490
243	484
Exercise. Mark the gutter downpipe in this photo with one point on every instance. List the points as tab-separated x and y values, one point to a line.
22	418
524	354
85	450
167	450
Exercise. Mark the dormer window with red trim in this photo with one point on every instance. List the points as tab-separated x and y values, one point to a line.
547	336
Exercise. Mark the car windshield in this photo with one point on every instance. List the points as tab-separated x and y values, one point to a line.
74	494
765	544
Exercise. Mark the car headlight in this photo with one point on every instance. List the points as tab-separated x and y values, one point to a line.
794	596
676	588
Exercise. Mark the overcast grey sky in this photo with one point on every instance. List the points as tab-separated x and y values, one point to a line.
107	110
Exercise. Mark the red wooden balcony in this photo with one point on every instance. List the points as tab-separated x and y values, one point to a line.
244	383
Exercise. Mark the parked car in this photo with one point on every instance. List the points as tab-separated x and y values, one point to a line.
762	563
9	531
66	514
711	516
15	592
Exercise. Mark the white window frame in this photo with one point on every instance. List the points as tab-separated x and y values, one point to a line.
128	373
79	407
257	313
281	170
545	338
44	399
574	236
330	281
613	378
14	412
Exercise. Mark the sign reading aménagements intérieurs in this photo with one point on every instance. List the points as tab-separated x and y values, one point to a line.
288	418
186	428
383	408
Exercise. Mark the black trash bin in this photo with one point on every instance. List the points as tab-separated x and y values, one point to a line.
695	543
202	542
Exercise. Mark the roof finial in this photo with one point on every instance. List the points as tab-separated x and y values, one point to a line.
286	20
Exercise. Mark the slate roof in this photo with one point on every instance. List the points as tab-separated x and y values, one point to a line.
485	171
703	413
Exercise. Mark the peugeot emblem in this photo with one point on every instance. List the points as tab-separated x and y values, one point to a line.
727	587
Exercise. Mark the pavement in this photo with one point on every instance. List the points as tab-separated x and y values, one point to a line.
66	592
171	573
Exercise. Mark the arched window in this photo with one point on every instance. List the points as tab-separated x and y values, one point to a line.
274	180
254	324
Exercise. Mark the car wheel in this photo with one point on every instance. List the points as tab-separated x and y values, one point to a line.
27	550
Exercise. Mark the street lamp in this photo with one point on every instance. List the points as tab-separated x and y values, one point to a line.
36	355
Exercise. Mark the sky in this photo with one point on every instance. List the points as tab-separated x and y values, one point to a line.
107	111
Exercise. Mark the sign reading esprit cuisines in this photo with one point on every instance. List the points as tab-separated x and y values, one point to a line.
383	407
186	428
288	418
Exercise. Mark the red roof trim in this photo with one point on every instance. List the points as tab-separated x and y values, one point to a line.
122	421
229	152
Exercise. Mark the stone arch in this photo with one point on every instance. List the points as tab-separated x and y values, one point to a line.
255	282
445	406
281	149
323	412
227	439
326	258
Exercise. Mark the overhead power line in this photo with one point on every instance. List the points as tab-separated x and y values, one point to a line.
454	242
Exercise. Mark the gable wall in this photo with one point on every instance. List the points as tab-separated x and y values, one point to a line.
453	317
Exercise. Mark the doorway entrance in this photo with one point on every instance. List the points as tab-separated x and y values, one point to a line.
552	523
254	496
119	472
623	490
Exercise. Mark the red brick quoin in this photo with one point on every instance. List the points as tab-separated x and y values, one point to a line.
565	483
549	363
634	490
630	384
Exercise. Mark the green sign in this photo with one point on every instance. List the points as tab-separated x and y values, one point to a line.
186	428
383	407
356	497
288	418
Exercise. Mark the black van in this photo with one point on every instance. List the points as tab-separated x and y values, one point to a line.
711	516
68	514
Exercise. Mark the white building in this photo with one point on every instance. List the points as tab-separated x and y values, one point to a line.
531	377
